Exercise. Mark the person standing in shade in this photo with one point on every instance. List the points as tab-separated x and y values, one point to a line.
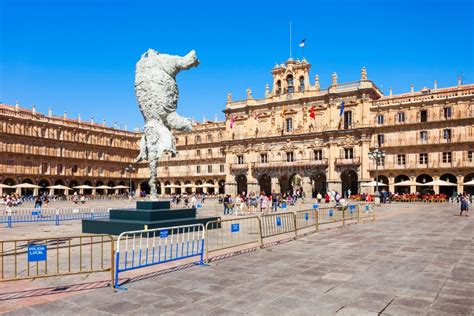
226	205
464	206
274	201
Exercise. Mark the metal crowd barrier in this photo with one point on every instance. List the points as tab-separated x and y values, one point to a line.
31	215
143	248
40	258
277	224
307	219
241	232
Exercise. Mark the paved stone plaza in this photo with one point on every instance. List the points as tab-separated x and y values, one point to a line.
415	259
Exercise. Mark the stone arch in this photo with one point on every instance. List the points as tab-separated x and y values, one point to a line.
178	188
241	184
99	191
211	190
27	191
10	182
56	191
167	189
87	191
188	190
265	182
144	188
448	190
158	187
221	186
402	189
350	181
199	190
319	184
424	178
467	178
44	184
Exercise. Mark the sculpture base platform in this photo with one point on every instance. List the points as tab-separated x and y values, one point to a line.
147	215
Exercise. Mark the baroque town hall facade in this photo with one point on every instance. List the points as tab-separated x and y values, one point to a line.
297	135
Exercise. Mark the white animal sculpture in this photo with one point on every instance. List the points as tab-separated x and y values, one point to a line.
157	96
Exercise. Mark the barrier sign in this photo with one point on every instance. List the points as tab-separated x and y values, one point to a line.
306	216
278	221
283	205
315	206
163	233
35	213
199	206
366	208
37	253
234	228
331	213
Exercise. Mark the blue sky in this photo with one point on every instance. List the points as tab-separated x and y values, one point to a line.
79	56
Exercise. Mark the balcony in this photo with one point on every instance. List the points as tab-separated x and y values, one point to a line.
347	161
434	140
290	164
238	166
415	165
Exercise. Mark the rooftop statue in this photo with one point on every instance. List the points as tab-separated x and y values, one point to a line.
157	96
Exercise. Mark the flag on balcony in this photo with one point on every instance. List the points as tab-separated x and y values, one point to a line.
341	111
232	122
311	113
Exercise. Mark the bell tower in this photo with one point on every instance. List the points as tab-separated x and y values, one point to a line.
291	77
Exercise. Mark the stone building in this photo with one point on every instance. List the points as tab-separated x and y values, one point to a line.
297	135
48	150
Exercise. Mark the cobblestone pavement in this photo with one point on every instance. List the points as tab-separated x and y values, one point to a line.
416	259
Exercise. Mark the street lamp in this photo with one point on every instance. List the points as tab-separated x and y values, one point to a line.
130	169
376	155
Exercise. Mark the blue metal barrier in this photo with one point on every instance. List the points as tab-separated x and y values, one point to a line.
144	248
56	215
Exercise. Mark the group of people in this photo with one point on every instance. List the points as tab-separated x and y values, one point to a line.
253	202
12	199
188	200
465	200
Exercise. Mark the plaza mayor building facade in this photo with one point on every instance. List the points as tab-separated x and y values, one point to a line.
298	135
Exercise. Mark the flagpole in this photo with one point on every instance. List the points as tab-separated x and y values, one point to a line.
290	39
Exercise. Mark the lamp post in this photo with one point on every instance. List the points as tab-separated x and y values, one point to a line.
130	168
376	155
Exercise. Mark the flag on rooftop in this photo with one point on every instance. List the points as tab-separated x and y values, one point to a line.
302	42
341	111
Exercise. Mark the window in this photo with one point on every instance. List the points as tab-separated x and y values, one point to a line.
186	140
263	158
209	138
289	81
380	119
278	87
423	116
447	112
209	152
59	168
447	134
301	84
89	170
240	159
380	139
447	157
381	161
318	154
222	152
469	156
423	159
348	153
289	125
423	136
44	167
101	171
74	169
289	156
401	160
198	169
347	119
198	153
198	139
221	168
209	169
401	117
